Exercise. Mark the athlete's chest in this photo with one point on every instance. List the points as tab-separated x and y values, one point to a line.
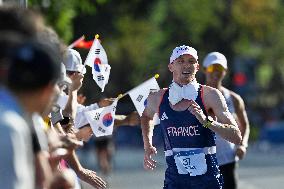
179	123
180	106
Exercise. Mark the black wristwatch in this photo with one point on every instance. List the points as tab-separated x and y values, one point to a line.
209	121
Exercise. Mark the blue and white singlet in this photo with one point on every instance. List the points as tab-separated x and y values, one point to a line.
190	149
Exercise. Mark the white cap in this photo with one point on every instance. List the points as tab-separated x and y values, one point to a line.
73	61
215	58
181	50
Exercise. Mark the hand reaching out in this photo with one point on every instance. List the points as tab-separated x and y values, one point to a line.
149	162
92	178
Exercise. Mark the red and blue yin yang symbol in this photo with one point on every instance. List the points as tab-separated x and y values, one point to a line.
107	120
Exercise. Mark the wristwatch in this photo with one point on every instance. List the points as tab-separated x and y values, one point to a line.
209	121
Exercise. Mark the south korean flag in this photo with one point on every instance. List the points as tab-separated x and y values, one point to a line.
102	120
97	60
140	94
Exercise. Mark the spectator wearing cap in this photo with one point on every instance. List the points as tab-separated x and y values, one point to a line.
188	112
68	103
228	154
104	145
62	119
30	87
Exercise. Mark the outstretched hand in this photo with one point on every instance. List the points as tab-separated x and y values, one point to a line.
92	178
149	162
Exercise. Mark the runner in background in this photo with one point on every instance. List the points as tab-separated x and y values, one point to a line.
228	154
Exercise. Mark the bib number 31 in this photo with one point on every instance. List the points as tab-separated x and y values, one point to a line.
193	164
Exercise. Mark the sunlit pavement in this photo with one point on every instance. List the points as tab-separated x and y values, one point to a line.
261	169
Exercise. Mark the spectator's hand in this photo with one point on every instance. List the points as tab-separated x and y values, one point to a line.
133	119
81	99
92	178
77	79
84	133
149	162
105	102
241	151
70	142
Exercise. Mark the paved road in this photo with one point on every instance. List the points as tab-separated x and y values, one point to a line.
261	169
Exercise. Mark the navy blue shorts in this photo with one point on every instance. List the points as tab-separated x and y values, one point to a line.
192	182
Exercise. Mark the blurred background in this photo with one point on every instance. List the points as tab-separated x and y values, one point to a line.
139	35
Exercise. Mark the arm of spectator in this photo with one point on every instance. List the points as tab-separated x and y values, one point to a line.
71	106
58	128
105	102
43	169
86	175
131	119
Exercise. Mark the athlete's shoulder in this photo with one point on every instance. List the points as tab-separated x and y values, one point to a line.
210	91
237	99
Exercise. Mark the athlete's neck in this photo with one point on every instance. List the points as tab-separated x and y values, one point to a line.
180	83
217	85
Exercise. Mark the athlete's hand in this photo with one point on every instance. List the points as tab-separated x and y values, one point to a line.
149	162
195	109
241	151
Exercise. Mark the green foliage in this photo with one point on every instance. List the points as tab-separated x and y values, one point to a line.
139	35
60	14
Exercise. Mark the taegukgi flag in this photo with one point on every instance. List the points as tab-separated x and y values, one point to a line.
97	60
102	120
140	94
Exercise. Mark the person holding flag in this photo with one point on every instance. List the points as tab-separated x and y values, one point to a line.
185	111
81	117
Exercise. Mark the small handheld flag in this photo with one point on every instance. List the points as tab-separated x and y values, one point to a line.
102	119
75	43
97	60
140	93
84	44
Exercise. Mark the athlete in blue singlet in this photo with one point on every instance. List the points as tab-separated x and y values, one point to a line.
185	110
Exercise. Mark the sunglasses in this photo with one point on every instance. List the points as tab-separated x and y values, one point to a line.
215	67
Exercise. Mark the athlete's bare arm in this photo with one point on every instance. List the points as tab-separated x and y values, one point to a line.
153	102
241	117
243	123
225	125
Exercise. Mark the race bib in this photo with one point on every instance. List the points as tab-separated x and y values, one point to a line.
190	162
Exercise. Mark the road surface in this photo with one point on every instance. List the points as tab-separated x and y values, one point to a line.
261	169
